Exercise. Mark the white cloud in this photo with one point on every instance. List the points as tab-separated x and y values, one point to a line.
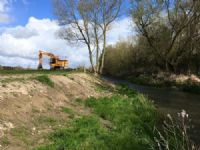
5	6
19	45
120	29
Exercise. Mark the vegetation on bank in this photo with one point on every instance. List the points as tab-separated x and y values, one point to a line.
117	122
34	71
126	120
44	79
125	64
186	86
163	43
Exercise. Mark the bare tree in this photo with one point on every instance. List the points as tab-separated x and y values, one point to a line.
87	21
173	17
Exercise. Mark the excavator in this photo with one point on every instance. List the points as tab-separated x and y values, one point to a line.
55	61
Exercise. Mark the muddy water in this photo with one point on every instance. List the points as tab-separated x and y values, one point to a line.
171	101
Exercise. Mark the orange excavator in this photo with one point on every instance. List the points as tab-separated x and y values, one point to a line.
55	61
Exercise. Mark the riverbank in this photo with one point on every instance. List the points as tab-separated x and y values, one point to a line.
73	111
51	110
125	120
184	83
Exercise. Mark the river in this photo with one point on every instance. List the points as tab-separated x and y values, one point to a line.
171	101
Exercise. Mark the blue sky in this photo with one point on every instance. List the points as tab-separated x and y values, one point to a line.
21	10
27	26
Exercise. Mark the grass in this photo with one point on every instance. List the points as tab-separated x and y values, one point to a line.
34	71
21	133
13	80
46	120
85	133
131	120
103	88
11	72
5	141
44	79
35	110
67	110
174	134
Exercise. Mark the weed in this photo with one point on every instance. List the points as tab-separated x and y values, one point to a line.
45	80
35	110
67	110
103	88
123	89
46	120
8	80
5	141
21	133
78	100
174	134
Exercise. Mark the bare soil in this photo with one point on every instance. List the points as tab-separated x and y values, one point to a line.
29	109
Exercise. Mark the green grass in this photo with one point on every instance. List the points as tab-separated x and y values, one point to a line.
67	110
46	120
34	71
21	133
8	80
44	79
85	133
11	72
35	110
5	141
131	121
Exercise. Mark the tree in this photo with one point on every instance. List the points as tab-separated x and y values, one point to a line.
169	26
87	21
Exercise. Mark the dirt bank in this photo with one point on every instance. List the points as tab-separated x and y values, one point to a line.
29	108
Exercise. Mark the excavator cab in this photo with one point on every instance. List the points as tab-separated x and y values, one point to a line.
52	60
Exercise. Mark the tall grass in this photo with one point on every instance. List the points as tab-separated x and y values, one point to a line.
174	134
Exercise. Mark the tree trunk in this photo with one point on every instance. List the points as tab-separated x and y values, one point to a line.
103	52
91	59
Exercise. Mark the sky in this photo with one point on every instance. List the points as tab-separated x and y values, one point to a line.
27	26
